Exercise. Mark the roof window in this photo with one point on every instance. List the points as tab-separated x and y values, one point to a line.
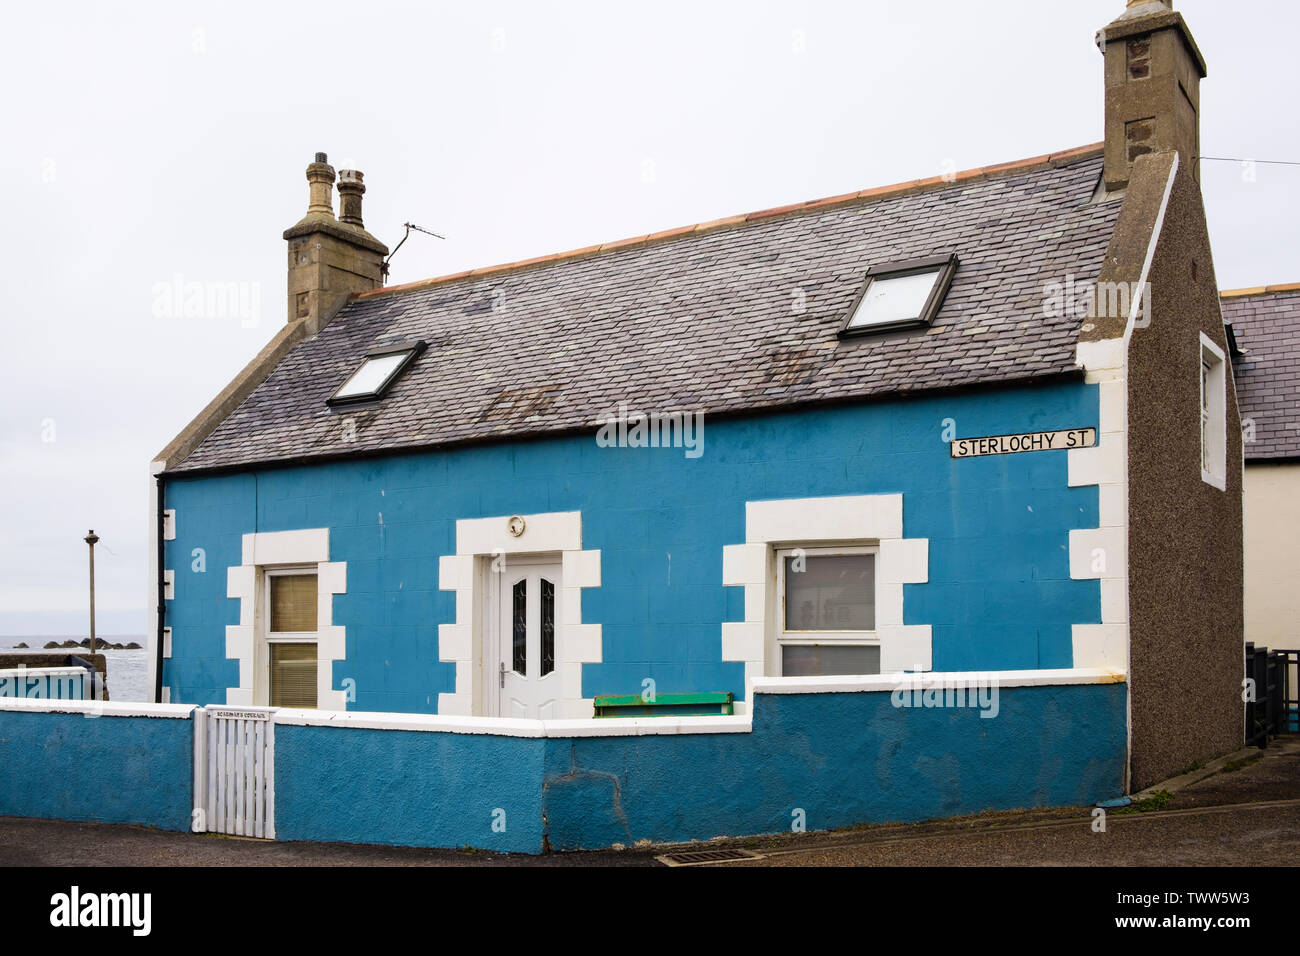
900	295
377	373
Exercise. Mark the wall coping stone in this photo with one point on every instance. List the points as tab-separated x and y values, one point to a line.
644	726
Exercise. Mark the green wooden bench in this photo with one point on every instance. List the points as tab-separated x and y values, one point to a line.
665	705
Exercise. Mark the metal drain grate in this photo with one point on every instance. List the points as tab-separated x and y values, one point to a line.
700	857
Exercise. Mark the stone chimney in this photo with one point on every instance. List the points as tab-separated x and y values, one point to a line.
329	259
1153	100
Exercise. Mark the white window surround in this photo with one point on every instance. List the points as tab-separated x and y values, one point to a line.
478	541
280	549
1215	429
816	522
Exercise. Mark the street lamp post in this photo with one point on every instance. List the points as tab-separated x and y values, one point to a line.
90	540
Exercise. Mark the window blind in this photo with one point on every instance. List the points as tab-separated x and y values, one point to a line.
293	675
831	593
293	603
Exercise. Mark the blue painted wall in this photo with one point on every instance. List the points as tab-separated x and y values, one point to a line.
999	594
408	788
106	769
840	758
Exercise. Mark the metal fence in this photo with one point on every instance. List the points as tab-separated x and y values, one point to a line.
1272	693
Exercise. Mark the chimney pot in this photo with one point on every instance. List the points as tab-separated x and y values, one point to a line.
320	177
351	188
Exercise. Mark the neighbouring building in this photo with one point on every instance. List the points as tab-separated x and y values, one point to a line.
980	425
1264	324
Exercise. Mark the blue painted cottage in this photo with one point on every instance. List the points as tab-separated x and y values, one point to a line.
977	425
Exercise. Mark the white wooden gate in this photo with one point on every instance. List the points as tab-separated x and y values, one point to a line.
234	771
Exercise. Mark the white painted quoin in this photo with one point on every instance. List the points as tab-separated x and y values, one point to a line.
1101	553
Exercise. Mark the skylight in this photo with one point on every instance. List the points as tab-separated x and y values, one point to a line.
901	294
377	373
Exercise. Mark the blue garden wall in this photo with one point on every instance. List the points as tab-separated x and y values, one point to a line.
840	759
999	594
104	768
834	758
408	788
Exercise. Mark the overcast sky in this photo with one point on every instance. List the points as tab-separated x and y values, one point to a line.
153	141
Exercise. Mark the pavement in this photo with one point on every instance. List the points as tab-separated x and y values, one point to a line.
1234	812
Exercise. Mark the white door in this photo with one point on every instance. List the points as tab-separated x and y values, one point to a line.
528	597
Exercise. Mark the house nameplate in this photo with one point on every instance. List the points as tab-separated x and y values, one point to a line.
241	714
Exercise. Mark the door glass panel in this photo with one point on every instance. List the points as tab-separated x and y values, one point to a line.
548	627
519	614
833	592
293	675
293	603
822	660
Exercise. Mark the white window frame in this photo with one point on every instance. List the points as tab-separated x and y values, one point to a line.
1213	413
823	638
267	637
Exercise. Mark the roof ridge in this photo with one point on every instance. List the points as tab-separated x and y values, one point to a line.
1259	290
977	174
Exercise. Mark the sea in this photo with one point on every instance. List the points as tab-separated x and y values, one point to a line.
128	671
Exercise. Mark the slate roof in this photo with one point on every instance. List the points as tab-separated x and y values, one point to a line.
701	319
1266	323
